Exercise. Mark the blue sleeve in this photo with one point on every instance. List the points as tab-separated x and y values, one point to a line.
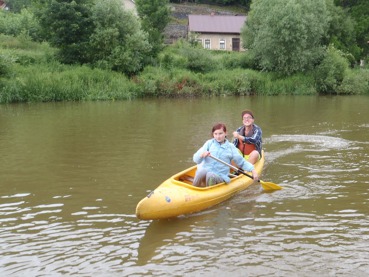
196	157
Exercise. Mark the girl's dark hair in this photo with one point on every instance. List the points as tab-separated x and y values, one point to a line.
217	127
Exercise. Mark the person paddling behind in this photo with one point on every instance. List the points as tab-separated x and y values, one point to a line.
248	138
209	171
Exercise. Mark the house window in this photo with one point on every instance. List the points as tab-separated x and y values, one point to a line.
222	44
199	41
207	44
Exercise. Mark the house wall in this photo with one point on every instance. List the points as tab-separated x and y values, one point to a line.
216	38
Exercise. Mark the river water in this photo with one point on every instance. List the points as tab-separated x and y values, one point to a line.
71	175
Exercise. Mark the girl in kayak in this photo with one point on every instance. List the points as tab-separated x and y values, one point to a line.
247	138
209	171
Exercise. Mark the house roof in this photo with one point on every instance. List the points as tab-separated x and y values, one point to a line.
215	23
2	4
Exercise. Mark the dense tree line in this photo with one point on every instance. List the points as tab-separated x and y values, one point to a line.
319	43
348	20
102	34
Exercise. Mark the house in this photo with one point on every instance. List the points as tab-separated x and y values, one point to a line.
2	5
217	32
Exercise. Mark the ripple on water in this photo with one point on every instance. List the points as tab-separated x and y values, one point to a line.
293	144
40	240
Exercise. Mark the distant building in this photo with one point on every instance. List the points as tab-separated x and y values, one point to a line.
217	32
2	5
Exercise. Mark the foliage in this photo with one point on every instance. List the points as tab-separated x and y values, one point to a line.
69	26
284	35
154	15
170	59
175	83
198	60
360	13
297	84
22	50
341	32
358	10
355	82
5	65
20	23
184	83
232	60
17	5
29	72
331	71
117	42
56	82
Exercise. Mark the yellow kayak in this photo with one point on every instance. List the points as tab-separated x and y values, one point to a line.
177	196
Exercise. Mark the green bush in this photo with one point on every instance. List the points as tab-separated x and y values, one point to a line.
23	50
25	22
232	60
199	60
331	71
355	82
175	83
228	82
5	65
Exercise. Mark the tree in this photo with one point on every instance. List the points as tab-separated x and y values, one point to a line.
341	32
285	35
360	13
117	43
358	10
331	71
154	16
69	26
24	23
17	5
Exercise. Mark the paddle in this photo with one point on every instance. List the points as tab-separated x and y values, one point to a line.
267	186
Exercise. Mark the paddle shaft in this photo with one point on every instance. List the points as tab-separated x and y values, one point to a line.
233	167
267	186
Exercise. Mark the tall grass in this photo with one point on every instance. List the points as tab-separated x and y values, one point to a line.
54	82
355	82
29	72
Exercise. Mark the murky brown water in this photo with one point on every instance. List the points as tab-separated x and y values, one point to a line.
71	175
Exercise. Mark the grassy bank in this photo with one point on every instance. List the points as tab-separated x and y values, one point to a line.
29	73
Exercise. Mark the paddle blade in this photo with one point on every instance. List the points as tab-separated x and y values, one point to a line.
269	186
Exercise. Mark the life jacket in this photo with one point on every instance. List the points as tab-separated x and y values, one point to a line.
245	148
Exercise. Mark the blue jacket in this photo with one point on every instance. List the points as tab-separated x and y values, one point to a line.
226	152
254	139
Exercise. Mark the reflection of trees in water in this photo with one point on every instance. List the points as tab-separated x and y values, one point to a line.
204	226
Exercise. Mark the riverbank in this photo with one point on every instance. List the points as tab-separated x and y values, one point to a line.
182	71
29	72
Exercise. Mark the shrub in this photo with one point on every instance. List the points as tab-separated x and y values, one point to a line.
24	51
355	82
331	71
24	22
198	60
5	64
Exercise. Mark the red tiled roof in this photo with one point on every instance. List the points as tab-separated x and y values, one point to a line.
215	23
